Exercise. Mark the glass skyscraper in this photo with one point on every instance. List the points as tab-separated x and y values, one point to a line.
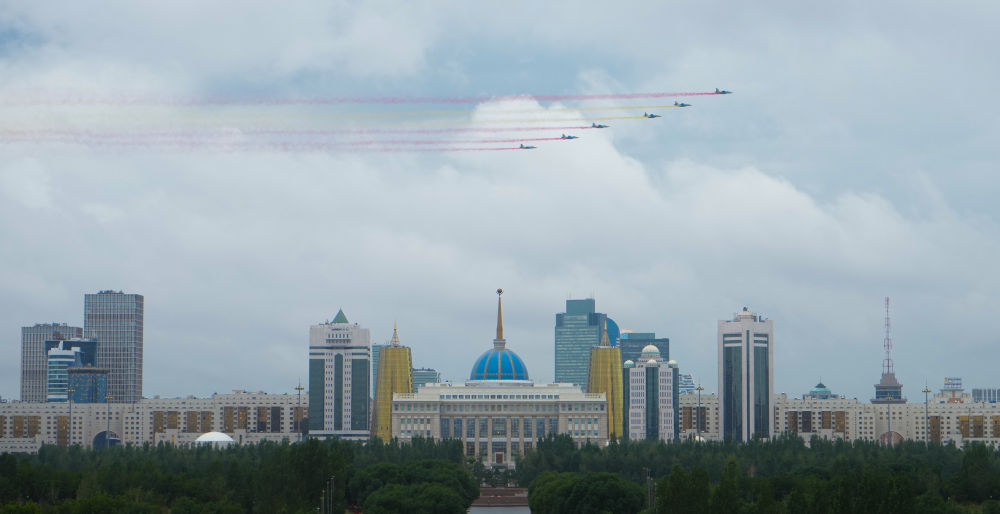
33	356
115	319
578	330
632	344
746	376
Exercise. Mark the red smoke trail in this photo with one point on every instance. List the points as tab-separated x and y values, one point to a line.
388	100
161	137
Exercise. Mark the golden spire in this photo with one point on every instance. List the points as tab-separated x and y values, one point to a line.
499	315
395	335
604	335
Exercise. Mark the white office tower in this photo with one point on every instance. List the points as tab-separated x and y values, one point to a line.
746	376
339	369
651	394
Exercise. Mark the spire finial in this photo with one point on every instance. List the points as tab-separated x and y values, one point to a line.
499	315
395	335
604	335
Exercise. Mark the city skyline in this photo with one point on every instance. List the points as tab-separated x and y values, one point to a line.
459	378
853	160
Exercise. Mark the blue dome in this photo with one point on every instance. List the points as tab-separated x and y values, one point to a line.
499	364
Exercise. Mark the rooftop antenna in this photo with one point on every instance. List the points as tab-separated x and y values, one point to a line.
887	368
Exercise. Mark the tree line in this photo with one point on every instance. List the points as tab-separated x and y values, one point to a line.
775	476
266	477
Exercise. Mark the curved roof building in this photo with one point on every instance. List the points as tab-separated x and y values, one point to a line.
499	363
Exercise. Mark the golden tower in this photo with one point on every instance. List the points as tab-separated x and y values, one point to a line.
395	375
605	376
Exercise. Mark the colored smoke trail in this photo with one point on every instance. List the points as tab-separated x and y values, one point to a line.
229	143
78	99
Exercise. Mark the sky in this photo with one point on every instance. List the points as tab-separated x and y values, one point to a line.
854	161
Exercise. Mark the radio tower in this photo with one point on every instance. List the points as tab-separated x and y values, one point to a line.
888	390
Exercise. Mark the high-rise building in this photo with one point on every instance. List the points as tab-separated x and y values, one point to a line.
605	376
87	347
578	330
60	360
376	355
339	367
632	344
33	356
424	376
652	396
746	376
396	363
115	320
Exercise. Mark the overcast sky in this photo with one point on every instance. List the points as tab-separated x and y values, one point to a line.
857	159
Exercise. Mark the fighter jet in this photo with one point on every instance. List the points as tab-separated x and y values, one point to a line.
595	125
681	104
529	147
722	92
650	115
564	136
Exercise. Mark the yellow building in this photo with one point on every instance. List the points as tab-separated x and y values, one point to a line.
395	366
605	376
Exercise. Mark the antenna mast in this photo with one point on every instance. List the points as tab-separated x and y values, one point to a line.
887	368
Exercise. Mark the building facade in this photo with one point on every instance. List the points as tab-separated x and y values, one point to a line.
34	374
89	384
578	330
339	367
59	361
746	376
605	376
115	320
499	413
396	364
652	392
248	417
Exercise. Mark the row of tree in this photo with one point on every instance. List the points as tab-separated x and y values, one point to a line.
782	475
266	477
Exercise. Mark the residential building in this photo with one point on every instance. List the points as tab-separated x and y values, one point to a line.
115	320
245	416
339	367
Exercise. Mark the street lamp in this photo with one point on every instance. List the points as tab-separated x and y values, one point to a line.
698	426
298	413
107	433
927	428
69	396
889	418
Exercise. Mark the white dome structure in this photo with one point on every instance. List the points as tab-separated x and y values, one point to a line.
214	439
